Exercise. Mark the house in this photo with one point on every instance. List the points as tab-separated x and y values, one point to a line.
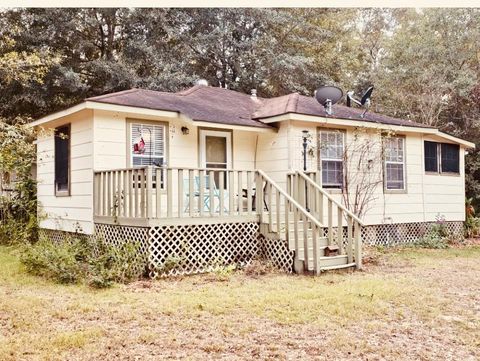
208	176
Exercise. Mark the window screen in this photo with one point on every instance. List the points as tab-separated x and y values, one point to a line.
450	158
331	156
431	156
395	163
62	160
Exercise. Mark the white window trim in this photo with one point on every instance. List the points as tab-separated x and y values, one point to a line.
145	155
404	167
341	160
215	133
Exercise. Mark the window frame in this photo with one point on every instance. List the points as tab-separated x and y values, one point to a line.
67	192
321	130
439	160
130	155
404	163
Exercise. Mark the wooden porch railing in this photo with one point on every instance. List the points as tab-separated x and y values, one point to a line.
134	195
305	188
172	192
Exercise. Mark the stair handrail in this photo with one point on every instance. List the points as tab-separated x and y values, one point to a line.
329	197
306	213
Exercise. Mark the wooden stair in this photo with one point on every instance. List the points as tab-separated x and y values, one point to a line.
287	217
325	263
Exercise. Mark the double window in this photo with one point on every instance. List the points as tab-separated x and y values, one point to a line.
441	157
395	163
331	144
62	160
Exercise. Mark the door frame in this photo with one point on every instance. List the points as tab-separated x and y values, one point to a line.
203	133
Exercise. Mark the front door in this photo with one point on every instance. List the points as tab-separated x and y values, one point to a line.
216	150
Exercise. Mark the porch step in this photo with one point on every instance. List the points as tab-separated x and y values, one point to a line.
325	263
341	266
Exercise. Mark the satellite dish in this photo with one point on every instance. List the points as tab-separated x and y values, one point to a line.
364	101
327	96
368	94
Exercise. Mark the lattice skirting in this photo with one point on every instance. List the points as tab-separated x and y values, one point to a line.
58	236
113	235
404	233
189	249
276	251
399	233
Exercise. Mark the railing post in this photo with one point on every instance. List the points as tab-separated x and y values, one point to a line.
358	246
149	190
249	192
191	190
201	190
340	230
349	240
211	182
158	179
259	195
180	193
221	186
143	193
330	221
169	192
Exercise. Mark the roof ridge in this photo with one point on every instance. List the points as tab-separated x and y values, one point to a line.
189	91
291	106
109	95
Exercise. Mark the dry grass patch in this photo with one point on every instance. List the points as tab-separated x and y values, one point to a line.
415	304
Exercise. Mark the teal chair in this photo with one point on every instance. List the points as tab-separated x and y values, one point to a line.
206	192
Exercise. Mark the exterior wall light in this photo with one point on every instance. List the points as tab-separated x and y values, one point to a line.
185	131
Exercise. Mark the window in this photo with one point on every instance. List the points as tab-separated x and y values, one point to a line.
395	163
450	158
148	145
331	157
442	157
148	148
62	161
431	157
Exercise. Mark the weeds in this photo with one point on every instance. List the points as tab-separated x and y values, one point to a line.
77	260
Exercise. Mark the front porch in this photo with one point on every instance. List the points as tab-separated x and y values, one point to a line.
205	216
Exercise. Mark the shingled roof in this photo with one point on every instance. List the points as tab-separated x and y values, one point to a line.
217	105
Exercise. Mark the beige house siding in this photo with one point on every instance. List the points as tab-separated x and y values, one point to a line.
100	141
273	154
426	196
74	212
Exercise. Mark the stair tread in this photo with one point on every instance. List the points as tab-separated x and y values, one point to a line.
340	266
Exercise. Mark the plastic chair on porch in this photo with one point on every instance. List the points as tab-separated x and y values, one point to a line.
196	192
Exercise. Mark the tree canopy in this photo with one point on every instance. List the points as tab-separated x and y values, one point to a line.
424	63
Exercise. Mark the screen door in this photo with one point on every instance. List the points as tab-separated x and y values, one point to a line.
216	151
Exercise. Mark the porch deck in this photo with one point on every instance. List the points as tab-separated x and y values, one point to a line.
173	196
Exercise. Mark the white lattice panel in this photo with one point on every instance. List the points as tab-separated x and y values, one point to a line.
189	249
117	235
404	233
277	252
58	236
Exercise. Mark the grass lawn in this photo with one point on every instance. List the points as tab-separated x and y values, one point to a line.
409	305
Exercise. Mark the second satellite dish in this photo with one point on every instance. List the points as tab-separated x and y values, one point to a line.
327	96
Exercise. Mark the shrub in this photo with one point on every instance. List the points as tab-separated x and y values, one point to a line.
58	262
84	260
437	237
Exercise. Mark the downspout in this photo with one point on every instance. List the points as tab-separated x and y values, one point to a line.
255	154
